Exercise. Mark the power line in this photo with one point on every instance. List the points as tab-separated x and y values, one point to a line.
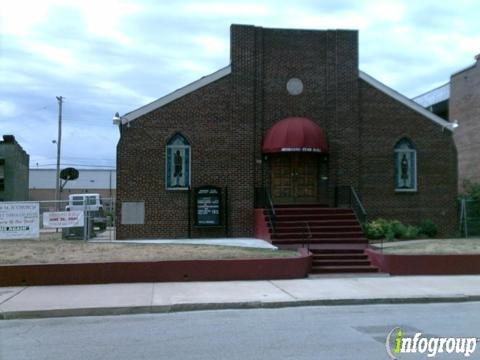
59	144
82	158
71	164
87	158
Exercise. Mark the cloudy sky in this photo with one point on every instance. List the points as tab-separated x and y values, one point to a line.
105	56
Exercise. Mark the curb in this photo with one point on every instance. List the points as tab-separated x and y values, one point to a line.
135	310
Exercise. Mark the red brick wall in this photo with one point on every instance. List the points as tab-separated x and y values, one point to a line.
384	121
464	107
220	157
226	120
327	64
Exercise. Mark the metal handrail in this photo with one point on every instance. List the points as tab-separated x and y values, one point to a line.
358	202
352	200
309	237
271	210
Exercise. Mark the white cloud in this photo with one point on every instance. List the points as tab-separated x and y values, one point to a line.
227	9
326	21
54	54
20	17
385	11
7	109
117	90
212	44
106	18
116	55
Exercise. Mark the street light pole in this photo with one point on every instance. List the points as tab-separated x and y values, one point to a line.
59	143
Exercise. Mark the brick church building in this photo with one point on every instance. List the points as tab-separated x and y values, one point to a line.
291	123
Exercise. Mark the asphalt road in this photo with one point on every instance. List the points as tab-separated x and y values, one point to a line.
334	332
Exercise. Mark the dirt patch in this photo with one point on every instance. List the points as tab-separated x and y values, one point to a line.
433	246
50	249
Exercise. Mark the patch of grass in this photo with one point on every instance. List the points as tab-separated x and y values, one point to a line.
434	246
71	251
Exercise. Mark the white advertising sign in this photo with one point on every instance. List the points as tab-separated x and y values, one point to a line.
63	219
19	220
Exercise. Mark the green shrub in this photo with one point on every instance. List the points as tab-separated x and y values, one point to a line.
389	234
472	189
371	231
428	228
472	194
390	230
376	229
397	228
411	232
382	228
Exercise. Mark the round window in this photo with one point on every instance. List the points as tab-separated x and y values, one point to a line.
294	86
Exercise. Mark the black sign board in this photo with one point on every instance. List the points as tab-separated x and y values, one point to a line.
207	206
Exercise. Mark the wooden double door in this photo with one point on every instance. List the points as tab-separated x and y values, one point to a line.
297	178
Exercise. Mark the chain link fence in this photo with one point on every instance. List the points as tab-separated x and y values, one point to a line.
98	221
469	217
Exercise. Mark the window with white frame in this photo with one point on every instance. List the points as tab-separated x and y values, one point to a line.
177	174
405	166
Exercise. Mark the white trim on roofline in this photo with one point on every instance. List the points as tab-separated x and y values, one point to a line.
406	101
227	70
176	94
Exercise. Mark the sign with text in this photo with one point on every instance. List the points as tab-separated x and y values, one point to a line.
207	201
19	220
63	219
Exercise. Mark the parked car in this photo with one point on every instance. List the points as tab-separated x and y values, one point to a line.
92	204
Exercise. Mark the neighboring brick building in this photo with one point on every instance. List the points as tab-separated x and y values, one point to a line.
459	100
291	114
465	108
13	170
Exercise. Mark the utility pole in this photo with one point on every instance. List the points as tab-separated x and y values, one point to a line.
59	144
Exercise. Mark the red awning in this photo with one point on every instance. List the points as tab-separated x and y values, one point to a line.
295	134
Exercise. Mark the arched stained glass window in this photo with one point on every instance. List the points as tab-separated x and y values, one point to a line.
178	159
405	166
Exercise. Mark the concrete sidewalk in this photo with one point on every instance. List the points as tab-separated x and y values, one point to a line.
110	299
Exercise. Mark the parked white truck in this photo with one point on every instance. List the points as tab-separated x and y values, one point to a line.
92	204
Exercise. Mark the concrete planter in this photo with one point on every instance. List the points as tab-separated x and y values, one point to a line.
397	264
158	271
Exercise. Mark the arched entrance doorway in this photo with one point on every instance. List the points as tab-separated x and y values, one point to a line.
298	162
298	178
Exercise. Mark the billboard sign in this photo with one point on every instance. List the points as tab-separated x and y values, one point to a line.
19	220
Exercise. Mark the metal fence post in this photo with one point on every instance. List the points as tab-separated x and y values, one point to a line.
85	221
189	207
465	214
226	213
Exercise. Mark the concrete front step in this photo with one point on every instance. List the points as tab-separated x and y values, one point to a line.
302	206
340	256
311	211
360	246
321	241
314	217
314	223
319	235
343	269
282	228
315	230
333	235
341	262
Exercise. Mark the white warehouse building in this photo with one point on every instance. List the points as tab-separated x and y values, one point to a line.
42	183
